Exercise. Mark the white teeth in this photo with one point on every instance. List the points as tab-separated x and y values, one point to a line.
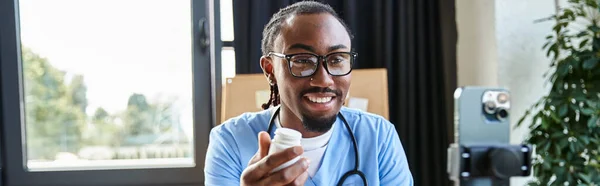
319	99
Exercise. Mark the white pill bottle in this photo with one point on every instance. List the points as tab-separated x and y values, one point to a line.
285	138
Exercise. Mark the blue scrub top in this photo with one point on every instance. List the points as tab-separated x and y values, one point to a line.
382	158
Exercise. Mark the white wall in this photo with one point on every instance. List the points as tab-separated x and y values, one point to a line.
476	50
521	60
500	45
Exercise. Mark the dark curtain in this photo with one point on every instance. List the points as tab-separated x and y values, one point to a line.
415	40
250	17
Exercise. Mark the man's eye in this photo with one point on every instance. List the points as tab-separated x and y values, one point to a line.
303	61
336	60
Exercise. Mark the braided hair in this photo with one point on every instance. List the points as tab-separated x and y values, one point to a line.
273	99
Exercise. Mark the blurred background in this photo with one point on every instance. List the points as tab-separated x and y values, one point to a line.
127	90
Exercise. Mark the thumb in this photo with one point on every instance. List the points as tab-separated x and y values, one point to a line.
264	142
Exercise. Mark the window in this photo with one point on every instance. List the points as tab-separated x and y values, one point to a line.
227	37
104	88
228	62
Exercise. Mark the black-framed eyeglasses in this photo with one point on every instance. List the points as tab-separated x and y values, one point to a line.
306	64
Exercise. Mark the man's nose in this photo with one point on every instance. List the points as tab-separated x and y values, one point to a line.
321	78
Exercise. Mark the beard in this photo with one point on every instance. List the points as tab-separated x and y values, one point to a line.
318	124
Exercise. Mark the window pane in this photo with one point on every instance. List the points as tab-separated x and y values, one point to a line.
107	83
226	20
227	62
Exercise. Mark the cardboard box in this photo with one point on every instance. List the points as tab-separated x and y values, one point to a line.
247	92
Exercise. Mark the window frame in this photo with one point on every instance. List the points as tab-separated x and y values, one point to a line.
12	138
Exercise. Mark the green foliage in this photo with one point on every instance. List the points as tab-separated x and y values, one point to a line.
78	92
143	118
138	115
565	124
103	130
56	120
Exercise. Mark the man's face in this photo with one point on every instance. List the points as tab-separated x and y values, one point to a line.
317	99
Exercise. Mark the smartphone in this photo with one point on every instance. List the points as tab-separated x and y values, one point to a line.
481	115
481	118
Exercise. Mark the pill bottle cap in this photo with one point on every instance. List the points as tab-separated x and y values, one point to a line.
288	137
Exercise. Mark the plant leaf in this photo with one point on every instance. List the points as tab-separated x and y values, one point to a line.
563	69
554	117
546	146
595	141
585	139
545	124
547	165
590	63
594	28
562	112
585	178
592	122
573	106
582	44
587	111
572	148
558	27
552	49
527	112
548	43
590	103
563	143
579	95
556	134
560	174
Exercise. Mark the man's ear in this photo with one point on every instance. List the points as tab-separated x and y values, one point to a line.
266	64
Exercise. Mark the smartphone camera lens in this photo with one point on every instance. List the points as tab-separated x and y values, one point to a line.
502	98
502	114
490	107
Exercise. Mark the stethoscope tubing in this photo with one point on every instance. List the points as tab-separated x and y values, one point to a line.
355	145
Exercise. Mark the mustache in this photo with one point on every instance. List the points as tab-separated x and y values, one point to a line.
321	90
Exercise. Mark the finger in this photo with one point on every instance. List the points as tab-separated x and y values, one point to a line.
264	141
288	174
300	180
270	162
254	159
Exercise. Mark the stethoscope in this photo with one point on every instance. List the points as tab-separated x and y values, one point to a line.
356	159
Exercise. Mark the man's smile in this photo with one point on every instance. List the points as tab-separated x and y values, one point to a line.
320	102
319	99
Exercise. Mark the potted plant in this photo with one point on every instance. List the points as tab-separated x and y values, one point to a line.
565	123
